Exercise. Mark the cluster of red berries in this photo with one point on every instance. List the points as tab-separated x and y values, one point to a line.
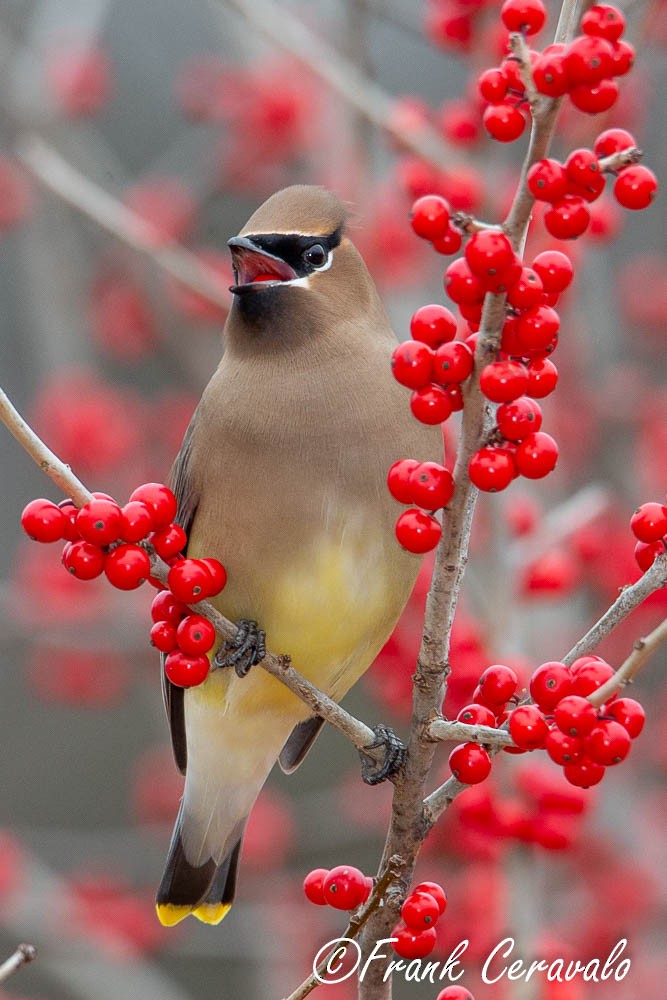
416	935
103	537
343	887
428	485
649	526
569	187
562	720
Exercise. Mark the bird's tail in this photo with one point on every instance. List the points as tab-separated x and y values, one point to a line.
206	891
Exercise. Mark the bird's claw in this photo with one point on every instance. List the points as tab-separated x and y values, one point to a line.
373	773
247	648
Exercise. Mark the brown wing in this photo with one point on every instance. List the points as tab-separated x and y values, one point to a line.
182	486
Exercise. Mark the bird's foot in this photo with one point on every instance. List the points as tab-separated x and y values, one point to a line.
247	648
373	773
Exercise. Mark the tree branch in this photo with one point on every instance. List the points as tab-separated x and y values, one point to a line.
57	174
459	732
24	954
642	650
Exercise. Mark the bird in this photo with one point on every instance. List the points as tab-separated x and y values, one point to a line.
282	477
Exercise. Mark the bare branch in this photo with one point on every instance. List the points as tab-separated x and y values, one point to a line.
643	649
629	599
624	158
291	34
57	174
460	732
521	53
24	954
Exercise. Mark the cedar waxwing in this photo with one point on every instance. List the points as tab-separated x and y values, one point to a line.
282	477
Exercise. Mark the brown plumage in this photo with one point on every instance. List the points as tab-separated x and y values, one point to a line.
282	476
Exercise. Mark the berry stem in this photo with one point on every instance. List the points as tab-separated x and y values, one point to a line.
521	53
629	599
624	158
468	224
56	173
642	650
24	953
457	732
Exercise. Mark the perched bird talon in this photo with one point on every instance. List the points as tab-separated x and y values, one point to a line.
247	648
373	773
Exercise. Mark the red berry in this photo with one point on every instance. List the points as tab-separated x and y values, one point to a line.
160	500
504	122
100	522
527	291
503	381
70	534
492	85
555	269
613	140
127	567
528	727
595	98
195	635
582	167
537	455
461	284
491	469
455	993
429	217
136	521
550	71
489	253
431	485
43	521
624	57
608	743
527	16
186	671
165	608
450	243
313	886
398	479
589	59
417	532
568	218
584	773
83	560
603	20
344	887
518	419
537	327
411	944
477	715
547	180
497	684
635	187
562	748
455	396
542	378
470	763
646	554
189	581
217	573
588	674
453	363
430	405
169	541
575	716
629	714
549	683
435	890
412	364
163	636
420	911
433	325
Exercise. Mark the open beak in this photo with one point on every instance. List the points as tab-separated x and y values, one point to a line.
254	268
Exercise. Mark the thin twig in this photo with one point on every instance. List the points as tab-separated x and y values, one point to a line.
521	53
629	599
24	953
624	158
642	650
291	34
279	667
356	924
460	732
56	173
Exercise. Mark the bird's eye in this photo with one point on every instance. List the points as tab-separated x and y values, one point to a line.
316	255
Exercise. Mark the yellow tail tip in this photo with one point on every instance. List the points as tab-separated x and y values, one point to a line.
169	914
212	913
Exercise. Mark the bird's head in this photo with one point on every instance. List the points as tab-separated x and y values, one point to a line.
294	268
